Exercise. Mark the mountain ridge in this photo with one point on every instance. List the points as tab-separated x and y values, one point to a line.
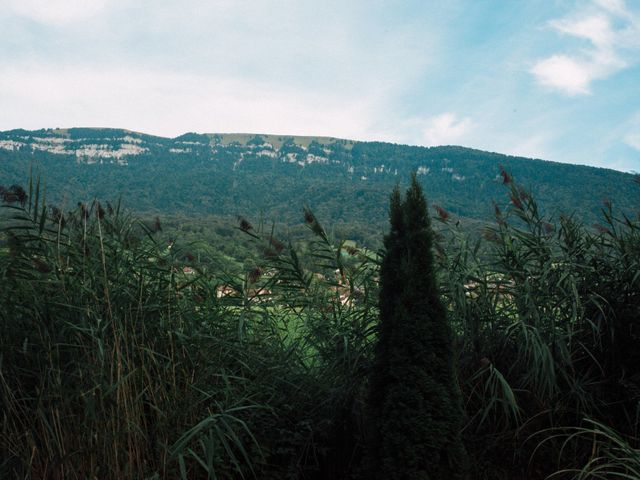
274	175
304	140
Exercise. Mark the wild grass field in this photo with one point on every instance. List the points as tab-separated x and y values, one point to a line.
122	358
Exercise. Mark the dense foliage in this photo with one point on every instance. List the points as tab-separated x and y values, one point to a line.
547	317
415	402
123	356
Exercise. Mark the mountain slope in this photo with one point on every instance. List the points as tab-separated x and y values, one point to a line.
248	174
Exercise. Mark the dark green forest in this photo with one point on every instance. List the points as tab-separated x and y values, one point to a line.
346	183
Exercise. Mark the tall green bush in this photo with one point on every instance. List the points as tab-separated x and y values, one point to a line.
414	400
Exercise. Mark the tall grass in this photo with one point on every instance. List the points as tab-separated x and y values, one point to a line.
115	362
112	365
606	454
547	316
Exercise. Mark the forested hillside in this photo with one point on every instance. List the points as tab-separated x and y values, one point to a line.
274	176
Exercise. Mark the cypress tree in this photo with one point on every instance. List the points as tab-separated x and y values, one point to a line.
414	401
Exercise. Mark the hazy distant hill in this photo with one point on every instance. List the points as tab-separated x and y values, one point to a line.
342	180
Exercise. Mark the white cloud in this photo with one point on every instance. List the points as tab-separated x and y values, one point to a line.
595	28
632	127
612	47
633	140
617	7
54	12
446	129
235	66
630	131
169	103
564	73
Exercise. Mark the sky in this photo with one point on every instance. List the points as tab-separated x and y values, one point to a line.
553	79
